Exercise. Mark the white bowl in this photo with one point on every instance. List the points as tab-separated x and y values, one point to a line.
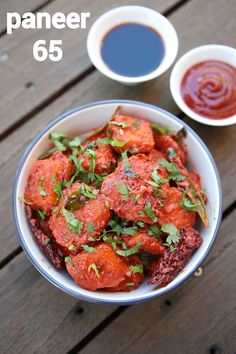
132	14
92	116
193	57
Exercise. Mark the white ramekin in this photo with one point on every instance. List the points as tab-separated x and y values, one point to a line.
191	58
132	14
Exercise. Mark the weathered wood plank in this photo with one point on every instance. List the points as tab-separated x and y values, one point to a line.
95	87
202	314
19	6
33	310
48	77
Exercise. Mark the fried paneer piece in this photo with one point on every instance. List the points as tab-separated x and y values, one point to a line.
88	219
172	263
104	156
165	142
173	212
44	176
128	191
149	243
133	279
102	268
132	197
135	133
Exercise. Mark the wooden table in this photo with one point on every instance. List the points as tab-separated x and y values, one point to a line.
36	317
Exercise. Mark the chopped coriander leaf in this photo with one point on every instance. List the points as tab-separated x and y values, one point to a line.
87	248
121	124
173	234
181	134
157	128
57	188
72	223
154	231
69	261
23	200
132	231
41	186
94	268
72	248
130	284
158	181
172	248
187	204
63	143
88	192
58	139
123	189
90	227
149	211
136	268
46	242
140	223
173	170
141	214
129	252
42	213
113	142
126	161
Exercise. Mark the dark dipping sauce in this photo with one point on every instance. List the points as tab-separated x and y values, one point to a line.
209	89
132	50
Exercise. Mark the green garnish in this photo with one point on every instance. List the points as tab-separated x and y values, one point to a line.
130	251
72	223
173	234
23	200
154	231
114	142
87	248
130	284
69	261
90	227
187	204
42	213
181	134
121	124
41	186
126	161
46	242
136	268
157	128
123	189
94	268
173	170
157	181
132	231
63	143
149	211
72	248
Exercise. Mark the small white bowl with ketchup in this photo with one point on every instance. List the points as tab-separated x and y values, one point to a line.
203	84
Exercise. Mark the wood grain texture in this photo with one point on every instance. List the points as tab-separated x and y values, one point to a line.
33	312
201	314
220	141
47	78
19	6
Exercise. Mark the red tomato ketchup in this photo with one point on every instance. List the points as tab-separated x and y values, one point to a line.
209	89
